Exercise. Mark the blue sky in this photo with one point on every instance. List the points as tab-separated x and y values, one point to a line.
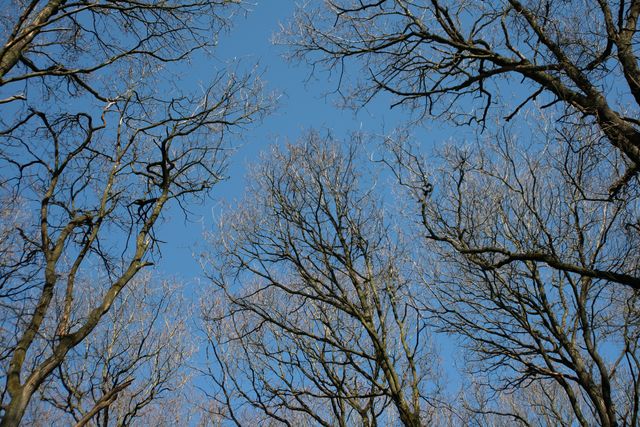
304	102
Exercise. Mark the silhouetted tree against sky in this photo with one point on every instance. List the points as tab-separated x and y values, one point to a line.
526	252
315	316
130	368
515	244
95	149
531	230
461	60
67	48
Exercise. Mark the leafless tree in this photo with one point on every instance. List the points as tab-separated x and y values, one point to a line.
64	48
95	148
313	318
532	240
462	59
133	364
541	404
526	249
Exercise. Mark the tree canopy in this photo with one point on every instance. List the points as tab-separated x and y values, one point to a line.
489	276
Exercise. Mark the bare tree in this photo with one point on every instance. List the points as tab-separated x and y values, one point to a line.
97	150
461	59
525	249
133	363
541	404
532	239
313	319
67	48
